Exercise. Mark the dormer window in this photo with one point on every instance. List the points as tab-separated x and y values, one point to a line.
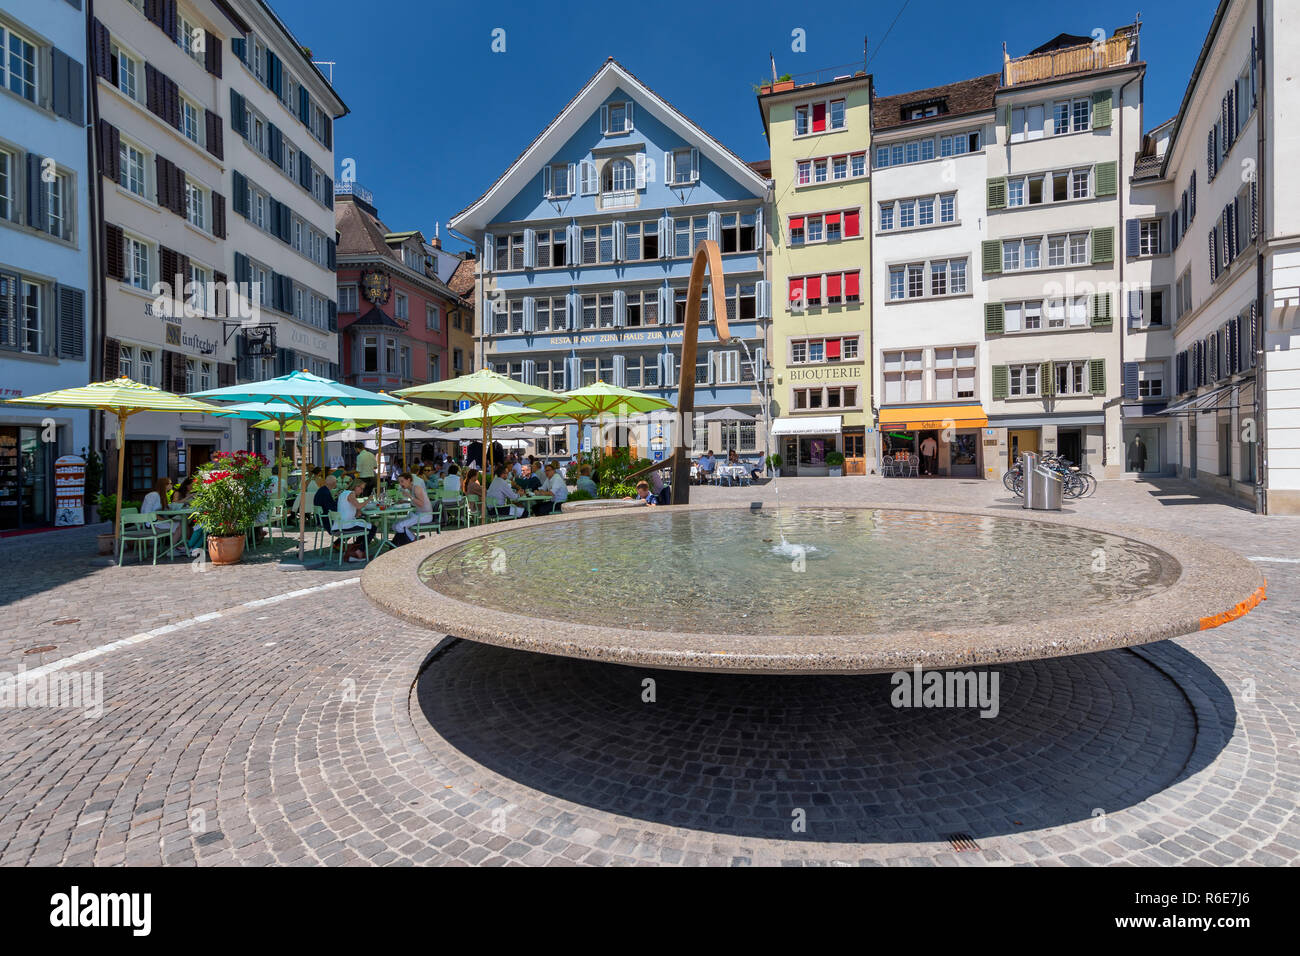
616	118
923	112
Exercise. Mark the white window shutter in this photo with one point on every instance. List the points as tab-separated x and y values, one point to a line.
760	237
573	175
709	374
665	304
763	293
665	236
571	313
670	370
572	252
640	168
620	240
715	226
585	177
604	120
571	380
695	165
627	111
620	308
530	369
530	315
546	182
530	248
708	304
668	167
489	252
620	364
1134	308
759	374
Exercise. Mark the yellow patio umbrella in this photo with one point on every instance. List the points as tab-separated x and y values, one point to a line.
481	389
124	398
314	423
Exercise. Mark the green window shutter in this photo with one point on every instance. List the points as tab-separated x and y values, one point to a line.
1001	381
1101	312
1097	376
1101	109
997	193
1103	244
1106	181
991	253
1046	380
993	315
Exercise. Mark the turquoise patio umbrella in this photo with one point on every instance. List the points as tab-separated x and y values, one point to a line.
305	393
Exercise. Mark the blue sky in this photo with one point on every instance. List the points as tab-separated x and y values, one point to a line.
437	115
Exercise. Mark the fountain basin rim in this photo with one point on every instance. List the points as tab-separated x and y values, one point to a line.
1213	585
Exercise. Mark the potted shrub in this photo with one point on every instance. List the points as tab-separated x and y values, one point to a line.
774	465
835	463
229	494
106	505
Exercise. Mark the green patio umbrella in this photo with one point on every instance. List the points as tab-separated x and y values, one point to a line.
599	400
306	393
278	413
400	415
294	425
124	398
482	388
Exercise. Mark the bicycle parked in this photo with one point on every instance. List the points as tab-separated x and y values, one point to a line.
1074	483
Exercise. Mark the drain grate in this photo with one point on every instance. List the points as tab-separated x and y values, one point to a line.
963	842
44	649
65	620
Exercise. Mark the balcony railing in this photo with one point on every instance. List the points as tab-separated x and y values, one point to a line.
1085	58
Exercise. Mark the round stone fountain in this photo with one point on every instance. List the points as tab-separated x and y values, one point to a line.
812	590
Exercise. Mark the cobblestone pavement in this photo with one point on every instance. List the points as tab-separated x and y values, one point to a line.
314	728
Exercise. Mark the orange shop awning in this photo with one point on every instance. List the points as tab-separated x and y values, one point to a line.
933	416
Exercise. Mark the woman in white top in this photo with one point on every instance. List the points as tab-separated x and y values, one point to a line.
421	510
348	506
155	501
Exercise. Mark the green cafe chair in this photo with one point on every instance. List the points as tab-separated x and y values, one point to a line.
140	530
344	536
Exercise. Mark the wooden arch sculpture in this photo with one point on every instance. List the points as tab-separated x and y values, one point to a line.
708	261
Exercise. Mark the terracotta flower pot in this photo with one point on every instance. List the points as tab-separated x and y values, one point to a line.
106	542
225	549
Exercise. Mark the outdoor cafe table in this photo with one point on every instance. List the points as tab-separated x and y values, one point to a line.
735	473
528	501
182	512
385	517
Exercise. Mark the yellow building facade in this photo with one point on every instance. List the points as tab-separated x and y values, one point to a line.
819	135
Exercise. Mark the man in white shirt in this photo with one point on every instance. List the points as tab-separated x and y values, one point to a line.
555	488
365	463
517	469
452	481
499	492
929	455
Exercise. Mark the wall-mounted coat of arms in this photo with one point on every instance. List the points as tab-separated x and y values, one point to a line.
376	287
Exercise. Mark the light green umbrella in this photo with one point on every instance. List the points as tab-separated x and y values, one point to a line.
294	425
599	400
399	415
306	393
483	388
122	397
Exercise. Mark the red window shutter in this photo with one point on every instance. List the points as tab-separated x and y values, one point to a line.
796	289
819	118
851	227
833	345
814	287
833	287
796	222
850	283
832	219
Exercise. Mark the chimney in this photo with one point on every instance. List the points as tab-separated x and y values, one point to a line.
437	241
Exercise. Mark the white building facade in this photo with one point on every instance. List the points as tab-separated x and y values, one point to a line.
932	372
45	230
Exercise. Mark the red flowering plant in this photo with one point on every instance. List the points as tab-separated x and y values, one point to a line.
231	492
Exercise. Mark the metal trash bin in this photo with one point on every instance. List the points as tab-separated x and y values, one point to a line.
1028	476
1043	487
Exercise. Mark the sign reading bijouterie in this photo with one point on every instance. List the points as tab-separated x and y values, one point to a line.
824	374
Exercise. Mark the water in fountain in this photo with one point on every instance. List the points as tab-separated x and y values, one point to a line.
786	549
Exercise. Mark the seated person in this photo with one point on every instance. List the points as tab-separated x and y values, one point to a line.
555	489
421	510
349	508
473	487
707	466
585	483
529	480
452	481
657	486
499	493
643	495
156	501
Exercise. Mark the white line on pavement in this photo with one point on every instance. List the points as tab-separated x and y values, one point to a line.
164	629
1276	560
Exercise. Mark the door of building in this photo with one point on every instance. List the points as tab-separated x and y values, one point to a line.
1191	446
790	465
141	469
855	454
963	454
1069	445
1019	441
199	456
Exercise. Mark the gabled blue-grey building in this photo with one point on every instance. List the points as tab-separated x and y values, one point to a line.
586	243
